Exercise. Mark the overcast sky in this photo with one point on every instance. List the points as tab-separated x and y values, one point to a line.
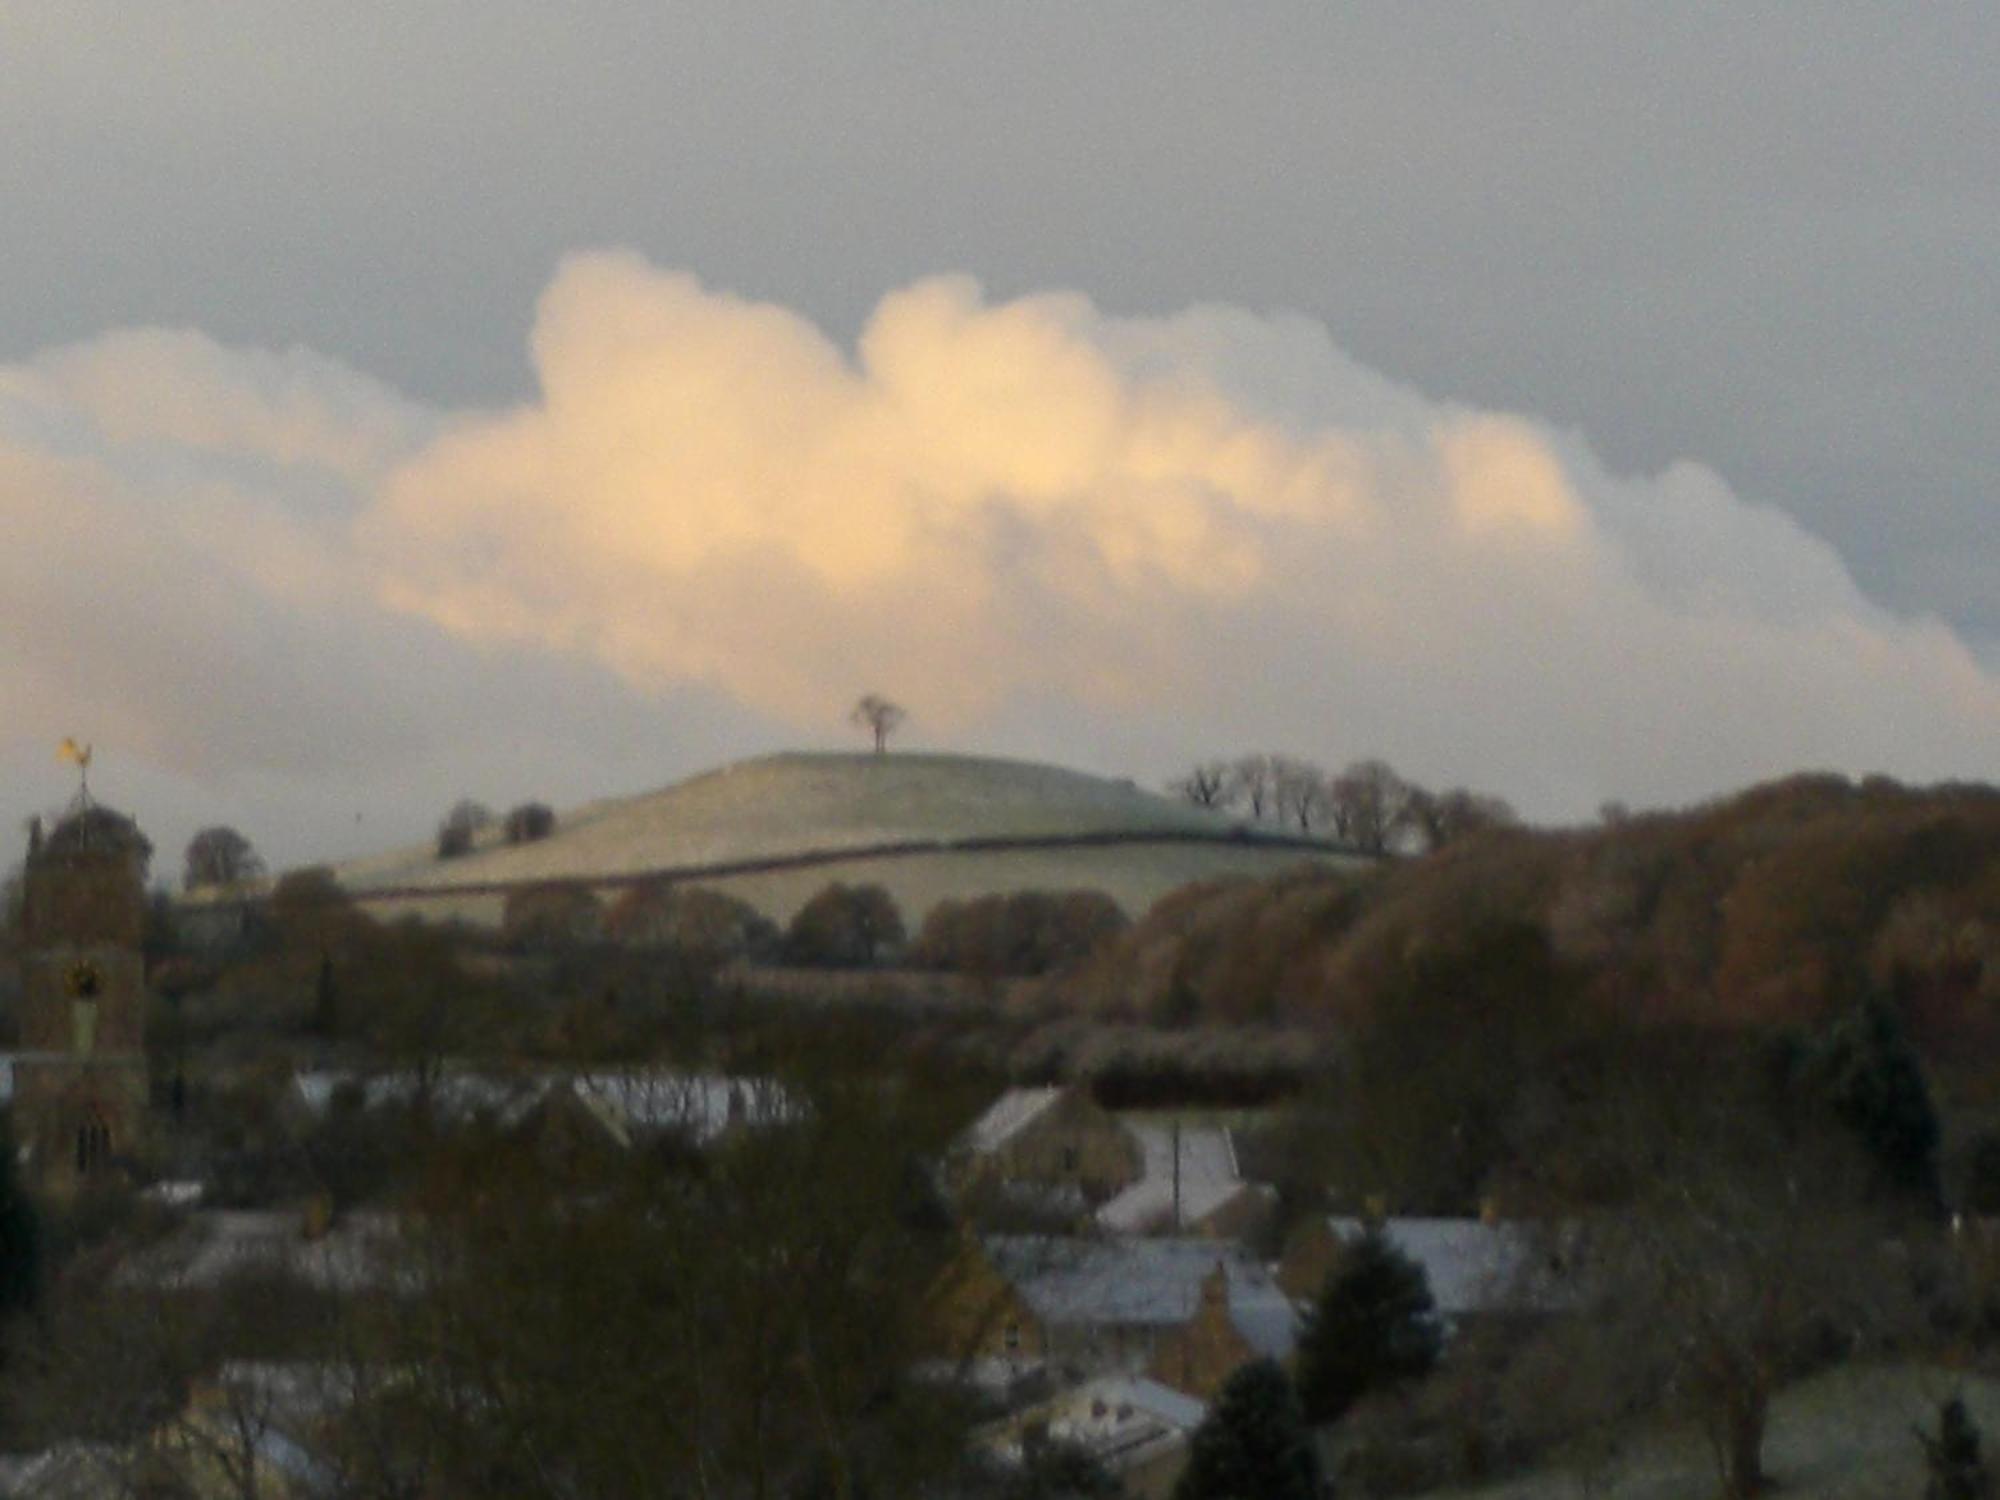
516	399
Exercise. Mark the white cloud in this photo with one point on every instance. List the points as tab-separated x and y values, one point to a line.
1213	521
1120	542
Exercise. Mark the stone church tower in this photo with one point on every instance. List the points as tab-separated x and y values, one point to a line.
80	1077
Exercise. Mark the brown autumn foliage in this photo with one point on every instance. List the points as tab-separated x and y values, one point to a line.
692	919
551	916
1775	906
1022	933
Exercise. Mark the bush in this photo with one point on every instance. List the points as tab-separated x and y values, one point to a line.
528	823
1023	934
698	922
461	826
845	927
551	916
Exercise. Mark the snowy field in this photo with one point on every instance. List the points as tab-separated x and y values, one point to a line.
1846	1435
787	805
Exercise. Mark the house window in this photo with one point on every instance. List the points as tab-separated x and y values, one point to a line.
1069	1158
93	1144
1012	1337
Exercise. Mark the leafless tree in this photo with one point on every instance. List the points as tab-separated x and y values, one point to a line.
1300	793
1253	783
878	716
1745	1245
1436	819
220	856
1208	784
1370	804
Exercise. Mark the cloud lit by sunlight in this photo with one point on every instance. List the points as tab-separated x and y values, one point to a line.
1176	535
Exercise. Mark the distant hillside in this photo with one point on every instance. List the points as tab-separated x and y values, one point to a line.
1768	907
929	827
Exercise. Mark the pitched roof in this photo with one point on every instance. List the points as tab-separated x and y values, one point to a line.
634	1100
355	1254
1472	1266
1007	1116
702	1104
1143	1282
1208	1178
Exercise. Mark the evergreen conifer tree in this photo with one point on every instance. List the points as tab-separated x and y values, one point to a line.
1957	1471
1253	1444
1375	1326
1868	1073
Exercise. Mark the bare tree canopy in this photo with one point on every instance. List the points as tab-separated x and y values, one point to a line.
878	716
1205	785
1301	794
1436	819
1370	805
1252	784
220	856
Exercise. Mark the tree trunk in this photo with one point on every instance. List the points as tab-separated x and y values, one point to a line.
1743	1456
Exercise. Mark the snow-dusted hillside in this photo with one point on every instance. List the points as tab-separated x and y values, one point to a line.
785	806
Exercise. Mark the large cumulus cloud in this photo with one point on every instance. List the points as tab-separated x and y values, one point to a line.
1115	541
1213	522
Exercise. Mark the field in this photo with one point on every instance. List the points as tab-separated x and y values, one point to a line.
1846	1435
819	807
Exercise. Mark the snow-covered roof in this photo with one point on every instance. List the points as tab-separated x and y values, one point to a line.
1007	1116
70	1471
1119	1420
635	1100
702	1104
1123	1397
355	1254
454	1093
1135	1282
1208	1178
1473	1266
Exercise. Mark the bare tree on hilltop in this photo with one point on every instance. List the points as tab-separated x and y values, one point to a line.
461	827
878	716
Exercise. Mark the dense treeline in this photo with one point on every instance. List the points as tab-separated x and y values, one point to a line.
1780	905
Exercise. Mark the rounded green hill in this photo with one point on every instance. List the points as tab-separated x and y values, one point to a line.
775	829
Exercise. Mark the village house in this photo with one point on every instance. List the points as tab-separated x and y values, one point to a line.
1189	1183
1187	1312
1135	1429
616	1107
1057	1149
251	1428
1476	1268
1058	1142
358	1252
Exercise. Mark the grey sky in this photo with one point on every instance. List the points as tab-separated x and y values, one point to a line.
1760	237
